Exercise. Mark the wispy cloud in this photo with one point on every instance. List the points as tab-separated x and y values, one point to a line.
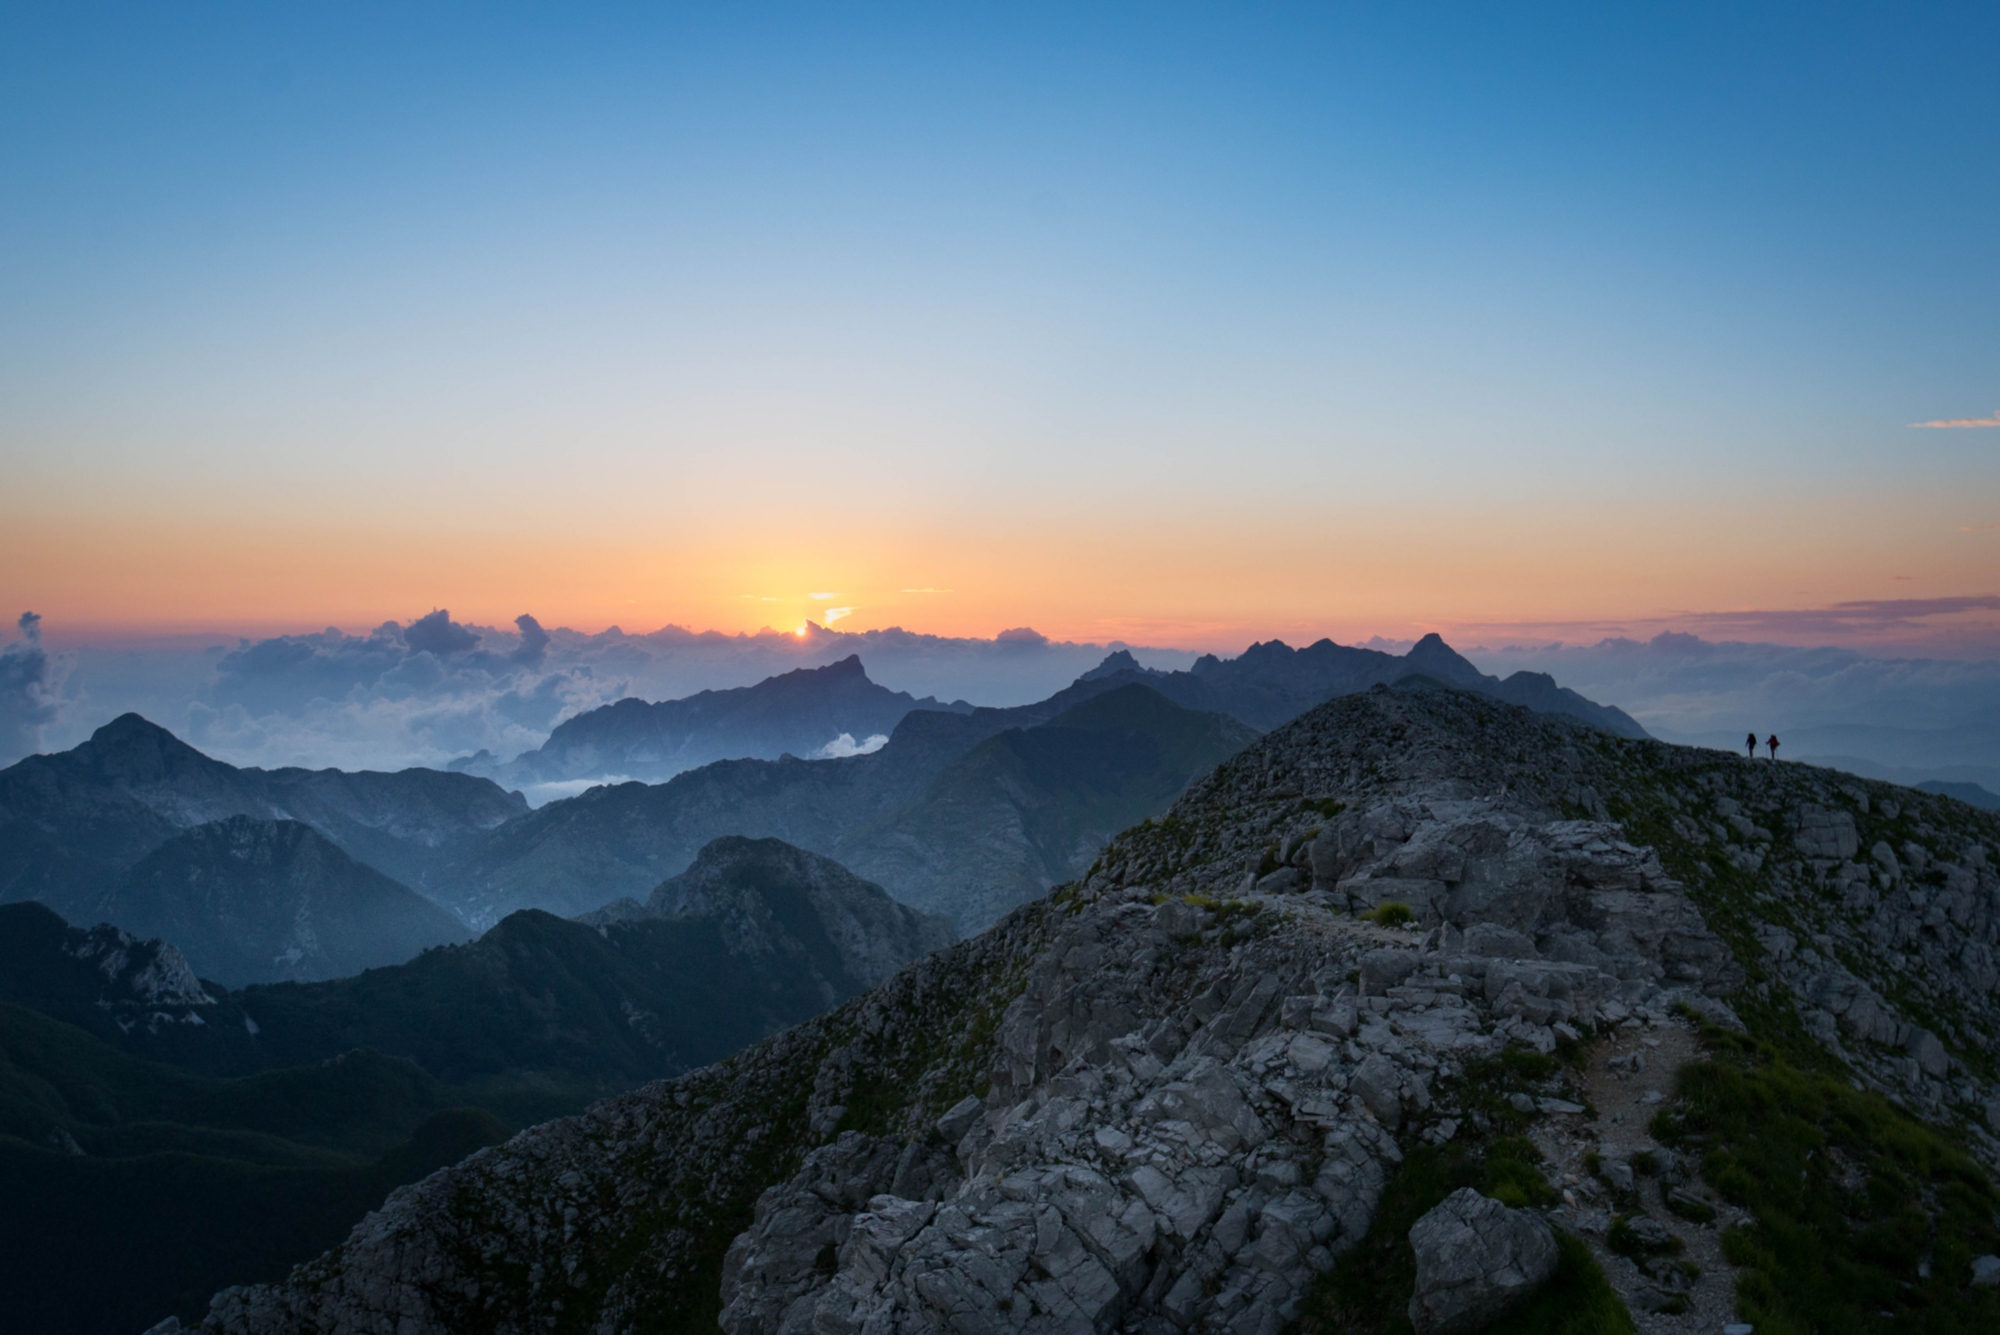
845	745
1963	421
821	597
928	590
1915	623
834	614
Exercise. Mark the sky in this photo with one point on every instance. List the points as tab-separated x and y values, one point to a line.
1171	324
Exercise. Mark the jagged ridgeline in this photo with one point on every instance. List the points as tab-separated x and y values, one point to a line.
1725	1024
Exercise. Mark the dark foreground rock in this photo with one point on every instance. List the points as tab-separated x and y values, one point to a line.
1476	1260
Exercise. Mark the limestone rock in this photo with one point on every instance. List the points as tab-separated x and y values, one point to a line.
1476	1260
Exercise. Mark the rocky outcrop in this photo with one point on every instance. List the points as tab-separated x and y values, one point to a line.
1161	1100
1476	1260
1173	1134
139	995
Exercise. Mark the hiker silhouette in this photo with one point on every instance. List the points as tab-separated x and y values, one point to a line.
1773	744
1750	745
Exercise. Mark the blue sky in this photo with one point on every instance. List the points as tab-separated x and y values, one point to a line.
626	281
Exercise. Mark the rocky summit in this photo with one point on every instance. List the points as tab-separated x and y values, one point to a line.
1412	934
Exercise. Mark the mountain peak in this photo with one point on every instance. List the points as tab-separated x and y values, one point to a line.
134	730
133	748
773	898
1113	664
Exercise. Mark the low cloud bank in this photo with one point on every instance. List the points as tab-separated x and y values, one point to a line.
433	689
1898	718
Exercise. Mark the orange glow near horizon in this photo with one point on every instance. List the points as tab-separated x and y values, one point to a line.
1175	580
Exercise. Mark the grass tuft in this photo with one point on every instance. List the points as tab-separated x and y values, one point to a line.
1390	914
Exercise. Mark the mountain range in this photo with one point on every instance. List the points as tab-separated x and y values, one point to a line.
810	712
962	811
960	814
1421	1011
74	823
1271	683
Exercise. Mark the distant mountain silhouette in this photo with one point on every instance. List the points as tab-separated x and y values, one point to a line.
72	823
798	713
1271	683
254	901
1971	794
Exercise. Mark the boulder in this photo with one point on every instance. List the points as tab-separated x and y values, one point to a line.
1476	1260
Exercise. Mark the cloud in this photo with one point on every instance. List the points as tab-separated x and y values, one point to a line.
27	697
1978	528
1951	422
821	597
439	634
534	641
385	699
540	794
845	745
1938	715
1022	635
834	614
1939	623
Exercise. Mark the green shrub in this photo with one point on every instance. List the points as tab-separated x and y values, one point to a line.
1390	914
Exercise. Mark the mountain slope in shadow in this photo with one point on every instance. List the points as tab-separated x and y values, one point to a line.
611	842
256	901
72	823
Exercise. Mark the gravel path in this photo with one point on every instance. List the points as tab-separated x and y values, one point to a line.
1630	1075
